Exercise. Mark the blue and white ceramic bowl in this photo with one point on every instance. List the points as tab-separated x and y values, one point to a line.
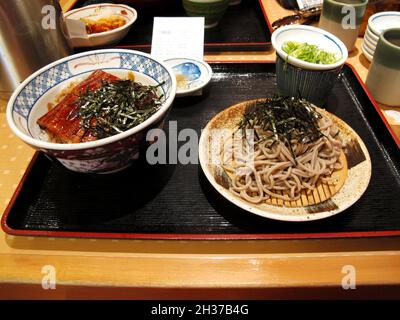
296	77
30	101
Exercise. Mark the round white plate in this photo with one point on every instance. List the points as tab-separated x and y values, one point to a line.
371	43
372	35
354	186
368	45
191	75
368	49
381	21
366	54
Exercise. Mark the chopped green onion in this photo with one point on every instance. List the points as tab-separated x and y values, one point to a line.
309	53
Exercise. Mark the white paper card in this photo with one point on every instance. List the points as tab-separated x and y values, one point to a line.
178	38
76	28
306	4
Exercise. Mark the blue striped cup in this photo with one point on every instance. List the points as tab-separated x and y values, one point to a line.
298	78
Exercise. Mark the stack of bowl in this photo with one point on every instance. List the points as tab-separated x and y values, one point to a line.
378	23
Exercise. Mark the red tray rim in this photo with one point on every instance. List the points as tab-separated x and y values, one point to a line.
188	236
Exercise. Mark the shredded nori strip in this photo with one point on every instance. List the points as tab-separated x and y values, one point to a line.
284	119
117	106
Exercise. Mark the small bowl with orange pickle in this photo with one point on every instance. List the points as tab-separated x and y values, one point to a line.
104	24
93	111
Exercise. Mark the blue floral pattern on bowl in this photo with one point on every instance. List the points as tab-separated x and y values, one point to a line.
38	86
105	155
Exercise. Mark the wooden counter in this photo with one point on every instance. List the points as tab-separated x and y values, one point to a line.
91	268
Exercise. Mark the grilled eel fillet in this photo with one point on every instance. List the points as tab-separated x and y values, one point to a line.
62	123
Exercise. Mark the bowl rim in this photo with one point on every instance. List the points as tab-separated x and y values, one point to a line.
105	33
367	54
370	39
386	41
304	64
91	144
340	3
372	35
371	24
368	49
368	45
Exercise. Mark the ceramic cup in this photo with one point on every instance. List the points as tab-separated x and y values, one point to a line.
343	19
211	10
383	78
298	78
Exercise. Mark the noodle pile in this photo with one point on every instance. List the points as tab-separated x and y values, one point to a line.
272	168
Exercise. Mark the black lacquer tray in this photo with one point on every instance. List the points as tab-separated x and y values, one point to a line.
229	35
177	202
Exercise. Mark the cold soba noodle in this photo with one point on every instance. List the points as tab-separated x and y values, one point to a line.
293	147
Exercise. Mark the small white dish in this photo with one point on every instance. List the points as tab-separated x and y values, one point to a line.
372	35
368	45
311	35
191	75
371	41
381	21
367	49
366	54
95	12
